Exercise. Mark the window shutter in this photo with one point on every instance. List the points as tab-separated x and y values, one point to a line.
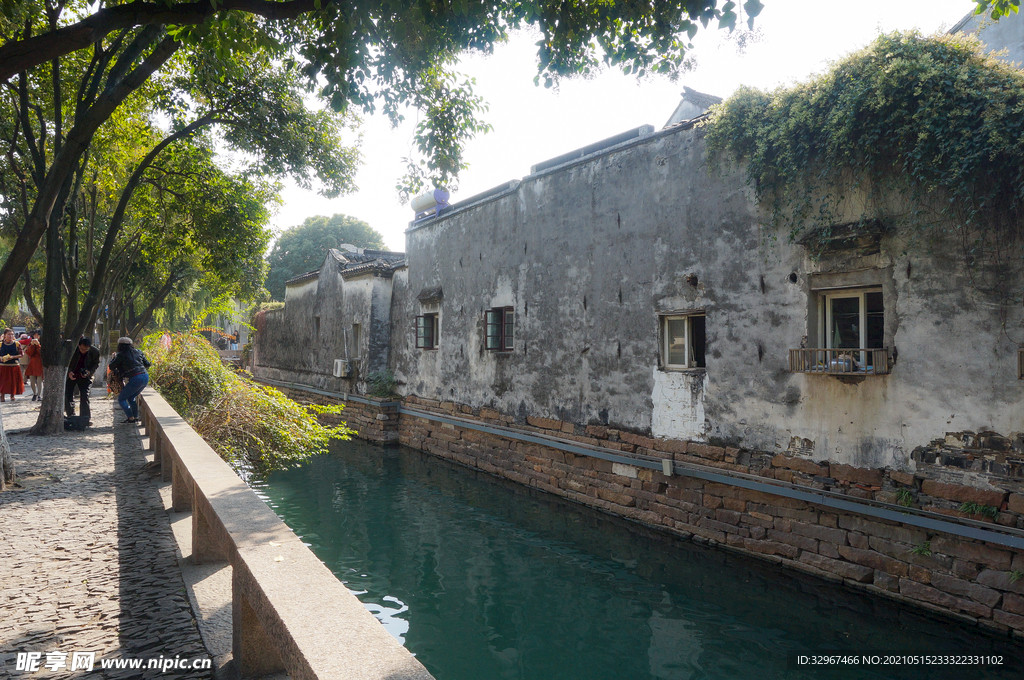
421	329
509	330
492	329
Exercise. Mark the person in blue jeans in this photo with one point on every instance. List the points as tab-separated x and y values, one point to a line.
131	364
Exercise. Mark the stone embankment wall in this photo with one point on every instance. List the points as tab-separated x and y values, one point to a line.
972	580
979	582
373	419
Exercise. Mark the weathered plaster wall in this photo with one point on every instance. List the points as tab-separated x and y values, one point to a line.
1005	37
291	350
589	253
679	404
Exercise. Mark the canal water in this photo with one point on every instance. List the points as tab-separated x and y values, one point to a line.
485	579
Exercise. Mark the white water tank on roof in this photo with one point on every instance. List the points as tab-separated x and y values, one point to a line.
429	201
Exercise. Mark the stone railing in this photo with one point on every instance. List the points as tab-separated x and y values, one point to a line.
289	612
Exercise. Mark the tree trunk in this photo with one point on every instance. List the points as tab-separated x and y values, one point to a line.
6	463
51	413
55	353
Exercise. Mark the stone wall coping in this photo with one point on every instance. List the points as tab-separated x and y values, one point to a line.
325	632
290	612
344	396
245	519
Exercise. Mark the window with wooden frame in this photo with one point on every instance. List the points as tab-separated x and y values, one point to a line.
683	341
853	319
499	325
427	331
848	333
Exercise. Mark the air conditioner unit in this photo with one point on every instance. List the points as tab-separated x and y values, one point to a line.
342	368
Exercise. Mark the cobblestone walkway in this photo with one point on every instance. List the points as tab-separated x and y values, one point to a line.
87	557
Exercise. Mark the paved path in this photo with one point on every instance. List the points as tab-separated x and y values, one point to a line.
88	562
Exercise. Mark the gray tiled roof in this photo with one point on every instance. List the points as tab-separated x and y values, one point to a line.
303	277
383	262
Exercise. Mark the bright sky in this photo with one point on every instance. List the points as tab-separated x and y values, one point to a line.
532	124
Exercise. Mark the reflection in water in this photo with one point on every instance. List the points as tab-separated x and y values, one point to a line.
481	579
675	648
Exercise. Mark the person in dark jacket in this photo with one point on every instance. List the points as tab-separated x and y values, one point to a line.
131	365
11	381
83	364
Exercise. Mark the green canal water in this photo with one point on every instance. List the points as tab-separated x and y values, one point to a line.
484	579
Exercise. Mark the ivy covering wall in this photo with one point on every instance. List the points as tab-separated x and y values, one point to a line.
923	132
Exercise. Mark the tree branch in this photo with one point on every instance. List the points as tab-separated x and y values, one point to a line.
99	274
29	301
75	144
19	55
157	300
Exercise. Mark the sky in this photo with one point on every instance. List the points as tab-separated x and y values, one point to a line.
532	124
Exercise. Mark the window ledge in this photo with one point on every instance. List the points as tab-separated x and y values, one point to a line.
685	371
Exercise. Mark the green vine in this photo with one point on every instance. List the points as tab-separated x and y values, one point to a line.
922	132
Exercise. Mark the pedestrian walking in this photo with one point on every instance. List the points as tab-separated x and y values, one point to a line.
24	341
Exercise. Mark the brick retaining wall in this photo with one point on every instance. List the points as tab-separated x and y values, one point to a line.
376	421
974	581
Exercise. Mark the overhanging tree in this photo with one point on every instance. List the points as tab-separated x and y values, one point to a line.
257	107
206	227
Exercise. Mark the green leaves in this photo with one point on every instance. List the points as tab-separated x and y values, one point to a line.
246	423
752	9
999	8
450	118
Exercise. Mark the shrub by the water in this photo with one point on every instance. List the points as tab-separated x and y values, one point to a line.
245	422
189	374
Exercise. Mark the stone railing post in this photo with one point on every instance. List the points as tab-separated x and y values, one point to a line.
255	654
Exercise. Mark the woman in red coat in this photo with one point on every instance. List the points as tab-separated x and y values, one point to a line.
11	381
34	372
